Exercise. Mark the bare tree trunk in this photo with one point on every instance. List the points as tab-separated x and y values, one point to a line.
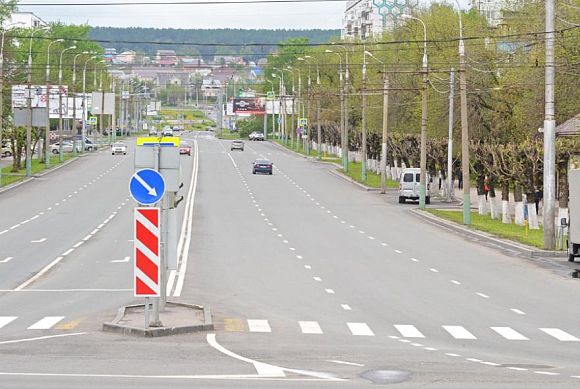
518	198
506	217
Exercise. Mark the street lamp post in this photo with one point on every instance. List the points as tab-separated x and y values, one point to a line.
425	71
84	129
385	123
282	113
341	94
345	110
74	92
364	118
47	130
60	129
29	98
2	85
298	101
318	129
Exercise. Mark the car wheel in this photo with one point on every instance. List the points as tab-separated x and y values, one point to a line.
55	152
253	172
401	200
270	173
124	153
427	200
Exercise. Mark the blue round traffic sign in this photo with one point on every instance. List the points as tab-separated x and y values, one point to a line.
147	186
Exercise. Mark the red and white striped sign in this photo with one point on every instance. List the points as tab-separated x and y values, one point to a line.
146	250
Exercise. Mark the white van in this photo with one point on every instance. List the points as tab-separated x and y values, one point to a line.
409	185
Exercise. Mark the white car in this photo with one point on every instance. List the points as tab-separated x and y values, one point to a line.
409	185
67	147
6	151
119	148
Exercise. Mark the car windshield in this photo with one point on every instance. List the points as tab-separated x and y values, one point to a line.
119	145
262	162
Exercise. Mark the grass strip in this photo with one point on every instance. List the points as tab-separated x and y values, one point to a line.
485	223
10	177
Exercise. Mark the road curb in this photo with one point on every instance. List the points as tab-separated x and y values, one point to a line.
346	178
153	332
41	174
524	250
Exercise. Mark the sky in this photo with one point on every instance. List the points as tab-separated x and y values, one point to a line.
274	16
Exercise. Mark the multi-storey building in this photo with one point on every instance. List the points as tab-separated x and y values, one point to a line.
364	19
493	9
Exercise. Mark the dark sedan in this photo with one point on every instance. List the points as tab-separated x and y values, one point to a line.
262	166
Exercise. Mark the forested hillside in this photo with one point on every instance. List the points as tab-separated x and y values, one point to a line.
184	41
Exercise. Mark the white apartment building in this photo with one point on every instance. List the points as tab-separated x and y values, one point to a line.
26	20
363	19
492	9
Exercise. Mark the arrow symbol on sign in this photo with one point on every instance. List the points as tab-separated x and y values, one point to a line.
151	191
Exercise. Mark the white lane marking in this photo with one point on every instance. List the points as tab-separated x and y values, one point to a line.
408	331
455	282
360	329
547	372
15	226
361	232
473	360
99	226
233	162
434	270
489	363
7	259
414	259
371	237
259	326
398	251
46	323
183	244
329	291
459	332
38	338
36	216
88	237
560	335
292	249
345	362
285	241
430	349
67	252
517	368
299	256
346	307
417	344
124	260
317	279
310	327
509	333
452	355
38	275
482	295
5	320
308	267
3	232
78	244
515	310
404	341
384	244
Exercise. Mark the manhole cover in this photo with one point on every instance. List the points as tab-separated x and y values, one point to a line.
527	366
386	376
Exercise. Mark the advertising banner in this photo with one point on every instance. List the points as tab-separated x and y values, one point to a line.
249	106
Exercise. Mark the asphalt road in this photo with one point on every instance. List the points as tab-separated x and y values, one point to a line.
312	282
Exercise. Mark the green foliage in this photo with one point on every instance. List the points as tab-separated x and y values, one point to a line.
113	37
249	125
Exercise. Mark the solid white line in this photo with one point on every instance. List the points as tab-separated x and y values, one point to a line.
346	307
67	252
39	274
5	320
87	237
79	244
345	363
189	219
98	227
3	232
7	259
509	333
458	332
310	327
408	331
515	310
360	329
259	326
46	323
38	338
560	335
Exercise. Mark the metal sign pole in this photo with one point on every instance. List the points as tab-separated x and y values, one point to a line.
146	312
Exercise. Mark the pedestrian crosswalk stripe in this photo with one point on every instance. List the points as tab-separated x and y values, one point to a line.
46	323
509	333
5	320
360	329
310	327
459	332
259	326
560	335
408	331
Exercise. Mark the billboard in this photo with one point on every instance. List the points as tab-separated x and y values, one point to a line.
38	98
249	106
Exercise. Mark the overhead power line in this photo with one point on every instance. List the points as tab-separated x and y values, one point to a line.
207	2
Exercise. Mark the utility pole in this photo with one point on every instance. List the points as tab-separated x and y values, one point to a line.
464	130
450	140
319	130
423	177
385	133
364	118
346	121
549	132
